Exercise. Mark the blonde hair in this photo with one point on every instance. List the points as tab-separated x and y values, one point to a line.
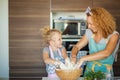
48	33
103	20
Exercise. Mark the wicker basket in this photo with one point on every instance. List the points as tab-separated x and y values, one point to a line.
69	74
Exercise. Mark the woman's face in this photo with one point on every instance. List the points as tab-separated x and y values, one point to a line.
90	24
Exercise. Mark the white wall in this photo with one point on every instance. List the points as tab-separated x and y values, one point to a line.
4	52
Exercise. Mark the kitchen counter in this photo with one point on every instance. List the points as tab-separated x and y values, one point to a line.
114	78
46	78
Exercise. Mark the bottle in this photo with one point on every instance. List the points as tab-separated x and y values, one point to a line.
108	74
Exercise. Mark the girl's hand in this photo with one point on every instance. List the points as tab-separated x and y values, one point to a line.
57	63
67	61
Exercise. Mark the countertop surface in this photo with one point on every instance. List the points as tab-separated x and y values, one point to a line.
81	78
46	78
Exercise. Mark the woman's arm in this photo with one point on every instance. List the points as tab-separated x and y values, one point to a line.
110	47
82	43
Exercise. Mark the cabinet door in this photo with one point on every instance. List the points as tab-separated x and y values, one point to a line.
70	5
26	17
113	6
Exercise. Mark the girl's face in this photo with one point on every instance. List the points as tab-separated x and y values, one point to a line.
57	40
90	24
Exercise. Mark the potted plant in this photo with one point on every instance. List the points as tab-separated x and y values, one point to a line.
91	75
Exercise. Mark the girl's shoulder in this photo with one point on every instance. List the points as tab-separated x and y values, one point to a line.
45	49
61	48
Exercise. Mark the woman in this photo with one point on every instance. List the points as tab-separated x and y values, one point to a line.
101	38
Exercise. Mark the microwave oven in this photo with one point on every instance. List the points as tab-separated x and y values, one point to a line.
70	28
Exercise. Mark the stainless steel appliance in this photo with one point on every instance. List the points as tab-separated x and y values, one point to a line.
70	28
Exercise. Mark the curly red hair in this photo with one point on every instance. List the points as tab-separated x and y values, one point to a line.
103	20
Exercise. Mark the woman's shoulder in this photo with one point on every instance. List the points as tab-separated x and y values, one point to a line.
115	33
88	33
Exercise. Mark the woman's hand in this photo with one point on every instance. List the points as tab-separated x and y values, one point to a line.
73	60
79	63
74	51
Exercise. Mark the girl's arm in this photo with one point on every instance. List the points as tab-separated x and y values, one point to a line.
64	53
47	59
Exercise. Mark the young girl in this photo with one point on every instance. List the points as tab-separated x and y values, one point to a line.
54	53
